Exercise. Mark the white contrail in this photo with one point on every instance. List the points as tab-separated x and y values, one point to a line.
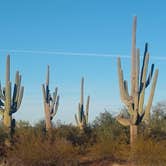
62	53
75	54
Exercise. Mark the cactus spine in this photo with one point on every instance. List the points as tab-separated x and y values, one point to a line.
83	112
9	103
139	82
51	102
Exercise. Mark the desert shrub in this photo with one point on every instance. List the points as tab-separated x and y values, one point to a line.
81	140
40	125
158	121
149	152
107	128
156	129
33	149
110	149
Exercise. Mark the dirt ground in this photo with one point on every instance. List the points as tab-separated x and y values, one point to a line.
104	162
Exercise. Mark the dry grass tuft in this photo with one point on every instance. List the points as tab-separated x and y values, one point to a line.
34	150
149	152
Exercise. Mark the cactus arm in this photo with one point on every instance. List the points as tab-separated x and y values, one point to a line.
76	120
84	122
47	84
55	103
18	85
133	57
145	52
150	75
122	84
51	107
55	94
82	92
126	88
123	121
44	93
143	84
16	90
136	96
20	97
55	109
14	95
79	113
87	109
149	105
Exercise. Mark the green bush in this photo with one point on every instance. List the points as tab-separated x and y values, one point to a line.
107	128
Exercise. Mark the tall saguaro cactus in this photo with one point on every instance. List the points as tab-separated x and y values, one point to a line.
10	103
140	80
51	102
83	112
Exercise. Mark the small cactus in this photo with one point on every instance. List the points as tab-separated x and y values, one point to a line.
51	102
140	80
83	112
10	103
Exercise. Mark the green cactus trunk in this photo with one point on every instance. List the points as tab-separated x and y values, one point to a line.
47	117
11	102
51	102
83	112
140	80
7	116
133	134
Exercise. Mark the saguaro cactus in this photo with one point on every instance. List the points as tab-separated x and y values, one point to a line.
139	82
9	103
51	102
82	117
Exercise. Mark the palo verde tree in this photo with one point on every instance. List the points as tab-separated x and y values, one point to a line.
10	103
140	80
83	112
51	102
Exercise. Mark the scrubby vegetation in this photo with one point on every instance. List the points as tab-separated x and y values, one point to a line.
103	139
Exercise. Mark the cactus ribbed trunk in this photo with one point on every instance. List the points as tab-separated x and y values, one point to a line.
51	102
140	80
10	101
83	111
47	117
133	134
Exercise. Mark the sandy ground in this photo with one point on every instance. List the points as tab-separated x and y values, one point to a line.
104	162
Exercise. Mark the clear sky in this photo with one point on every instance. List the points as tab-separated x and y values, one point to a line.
74	37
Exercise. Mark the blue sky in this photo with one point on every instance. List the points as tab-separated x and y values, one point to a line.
73	37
